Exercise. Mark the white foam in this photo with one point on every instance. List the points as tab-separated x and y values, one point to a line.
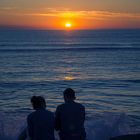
102	128
106	127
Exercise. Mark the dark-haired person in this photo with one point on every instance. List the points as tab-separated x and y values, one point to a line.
70	117
41	121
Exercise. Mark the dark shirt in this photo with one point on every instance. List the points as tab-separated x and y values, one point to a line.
41	125
70	117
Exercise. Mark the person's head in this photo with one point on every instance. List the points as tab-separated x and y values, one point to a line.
38	102
69	94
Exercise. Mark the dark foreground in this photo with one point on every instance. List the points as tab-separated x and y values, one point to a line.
127	137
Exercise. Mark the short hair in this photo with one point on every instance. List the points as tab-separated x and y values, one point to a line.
69	93
38	102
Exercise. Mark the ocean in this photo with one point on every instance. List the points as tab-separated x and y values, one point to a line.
102	66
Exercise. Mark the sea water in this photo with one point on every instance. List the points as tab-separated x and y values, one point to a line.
102	66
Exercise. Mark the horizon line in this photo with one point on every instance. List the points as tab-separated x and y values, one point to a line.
2	27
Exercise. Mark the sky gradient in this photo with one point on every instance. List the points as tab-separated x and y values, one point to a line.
82	14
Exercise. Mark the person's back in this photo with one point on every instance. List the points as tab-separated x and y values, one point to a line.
41	124
69	120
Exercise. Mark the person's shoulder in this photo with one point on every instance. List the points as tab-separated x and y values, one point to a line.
59	107
80	105
30	115
50	112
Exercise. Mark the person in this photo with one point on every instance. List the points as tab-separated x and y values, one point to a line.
40	123
70	117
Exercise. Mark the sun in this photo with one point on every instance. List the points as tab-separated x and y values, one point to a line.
68	25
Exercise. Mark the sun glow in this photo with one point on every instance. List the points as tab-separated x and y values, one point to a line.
68	25
68	78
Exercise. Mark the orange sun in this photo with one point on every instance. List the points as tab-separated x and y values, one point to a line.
68	25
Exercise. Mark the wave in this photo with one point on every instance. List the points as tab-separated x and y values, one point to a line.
133	81
43	82
97	128
67	49
68	44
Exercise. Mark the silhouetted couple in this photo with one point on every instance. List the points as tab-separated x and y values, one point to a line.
68	120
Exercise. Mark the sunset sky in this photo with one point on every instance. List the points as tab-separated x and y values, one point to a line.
81	14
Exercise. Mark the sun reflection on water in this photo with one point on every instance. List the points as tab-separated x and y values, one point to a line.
68	78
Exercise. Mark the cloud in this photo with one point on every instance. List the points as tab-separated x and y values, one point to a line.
66	13
100	15
8	8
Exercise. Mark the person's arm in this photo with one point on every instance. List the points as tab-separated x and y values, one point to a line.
30	128
84	114
57	119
